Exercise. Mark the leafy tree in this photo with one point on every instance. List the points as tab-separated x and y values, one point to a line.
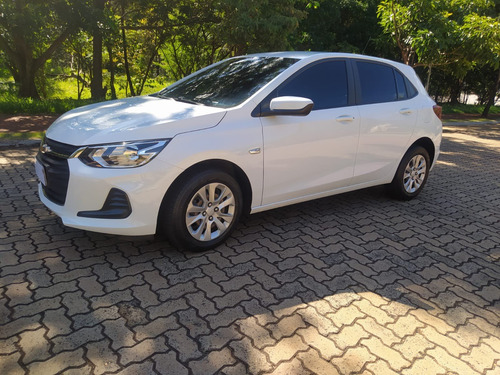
422	30
432	33
258	25
193	41
147	23
347	26
482	38
80	48
205	32
31	31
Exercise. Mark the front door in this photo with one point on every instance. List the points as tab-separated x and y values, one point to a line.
313	154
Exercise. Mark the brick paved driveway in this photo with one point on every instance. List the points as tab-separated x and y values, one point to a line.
355	283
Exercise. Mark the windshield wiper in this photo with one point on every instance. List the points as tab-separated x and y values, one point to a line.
177	98
186	100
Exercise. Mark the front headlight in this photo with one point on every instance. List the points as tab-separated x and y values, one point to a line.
121	155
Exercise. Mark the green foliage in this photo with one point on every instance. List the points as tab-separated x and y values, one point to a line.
205	32
258	25
30	33
481	35
46	47
437	32
340	26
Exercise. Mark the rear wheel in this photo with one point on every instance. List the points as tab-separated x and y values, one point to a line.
201	212
412	174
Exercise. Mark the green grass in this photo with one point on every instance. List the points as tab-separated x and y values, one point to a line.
12	105
67	88
21	135
459	109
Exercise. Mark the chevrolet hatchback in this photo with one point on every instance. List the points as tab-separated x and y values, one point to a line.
244	135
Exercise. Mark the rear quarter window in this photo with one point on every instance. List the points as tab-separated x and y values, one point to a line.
410	89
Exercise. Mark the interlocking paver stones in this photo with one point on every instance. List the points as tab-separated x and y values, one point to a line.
395	359
256	361
294	367
317	365
326	347
353	360
356	283
285	349
58	362
9	364
34	345
212	362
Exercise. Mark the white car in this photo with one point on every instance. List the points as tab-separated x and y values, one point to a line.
244	135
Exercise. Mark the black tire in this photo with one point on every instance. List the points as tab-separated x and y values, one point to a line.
205	214
412	174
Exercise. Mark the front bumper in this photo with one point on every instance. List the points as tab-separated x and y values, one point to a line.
88	189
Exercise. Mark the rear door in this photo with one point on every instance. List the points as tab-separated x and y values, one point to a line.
388	110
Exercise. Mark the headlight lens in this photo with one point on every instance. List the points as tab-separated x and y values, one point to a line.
121	155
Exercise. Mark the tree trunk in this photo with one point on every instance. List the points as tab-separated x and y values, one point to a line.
96	90
491	100
150	64
27	86
145	78
111	71
27	68
428	83
125	55
455	92
23	65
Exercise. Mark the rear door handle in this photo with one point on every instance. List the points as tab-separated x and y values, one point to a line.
405	111
345	118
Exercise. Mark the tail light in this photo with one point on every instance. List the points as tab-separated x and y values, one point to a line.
438	110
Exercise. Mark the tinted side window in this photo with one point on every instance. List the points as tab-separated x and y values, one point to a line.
377	83
324	83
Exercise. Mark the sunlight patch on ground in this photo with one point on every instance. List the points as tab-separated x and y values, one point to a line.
464	138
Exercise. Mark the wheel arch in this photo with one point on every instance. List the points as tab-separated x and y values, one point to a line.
222	165
426	143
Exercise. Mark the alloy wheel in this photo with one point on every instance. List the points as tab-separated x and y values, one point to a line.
414	174
210	212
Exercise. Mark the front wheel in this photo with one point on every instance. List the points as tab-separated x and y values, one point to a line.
201	212
412	174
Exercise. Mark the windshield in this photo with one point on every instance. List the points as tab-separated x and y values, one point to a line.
229	83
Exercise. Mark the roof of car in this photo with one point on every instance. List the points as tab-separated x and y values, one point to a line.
290	54
307	54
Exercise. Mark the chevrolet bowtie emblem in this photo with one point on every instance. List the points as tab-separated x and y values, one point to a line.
45	148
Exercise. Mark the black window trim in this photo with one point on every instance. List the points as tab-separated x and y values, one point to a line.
351	97
357	81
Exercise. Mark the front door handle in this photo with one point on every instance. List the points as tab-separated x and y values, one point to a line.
345	118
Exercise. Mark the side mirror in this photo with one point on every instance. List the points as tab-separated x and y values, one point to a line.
290	106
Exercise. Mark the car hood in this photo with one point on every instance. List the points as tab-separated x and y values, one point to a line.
138	118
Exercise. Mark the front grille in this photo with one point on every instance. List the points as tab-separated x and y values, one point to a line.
56	168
